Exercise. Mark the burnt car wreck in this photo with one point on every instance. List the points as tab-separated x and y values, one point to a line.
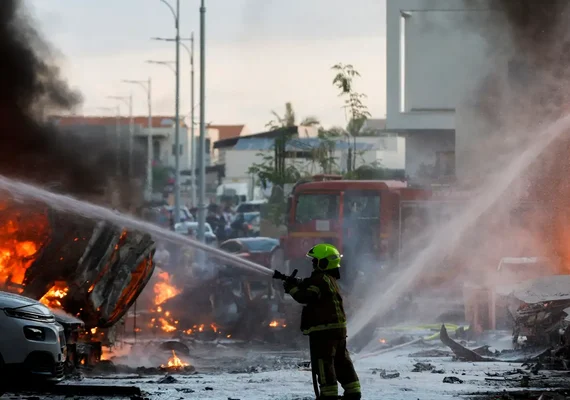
88	272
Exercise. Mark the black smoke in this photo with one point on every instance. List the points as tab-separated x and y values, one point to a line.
31	89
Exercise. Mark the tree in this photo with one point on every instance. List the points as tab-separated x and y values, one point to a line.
357	111
288	119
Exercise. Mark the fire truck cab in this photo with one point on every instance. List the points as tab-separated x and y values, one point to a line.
361	218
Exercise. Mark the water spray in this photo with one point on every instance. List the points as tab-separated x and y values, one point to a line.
90	210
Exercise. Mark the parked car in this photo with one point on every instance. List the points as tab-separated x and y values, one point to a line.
250	206
188	228
32	342
261	250
245	225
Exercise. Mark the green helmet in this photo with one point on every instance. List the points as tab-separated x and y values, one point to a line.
327	256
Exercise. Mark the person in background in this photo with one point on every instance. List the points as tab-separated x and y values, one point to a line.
323	319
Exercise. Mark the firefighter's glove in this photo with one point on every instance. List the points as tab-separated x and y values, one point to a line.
289	284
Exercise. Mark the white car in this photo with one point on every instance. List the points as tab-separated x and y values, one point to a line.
31	341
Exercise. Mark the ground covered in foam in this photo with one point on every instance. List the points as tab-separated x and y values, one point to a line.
411	373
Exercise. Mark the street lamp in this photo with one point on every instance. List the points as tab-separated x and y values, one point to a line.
176	15
202	147
190	51
128	100
117	110
146	85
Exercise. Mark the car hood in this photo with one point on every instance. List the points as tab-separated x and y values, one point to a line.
10	300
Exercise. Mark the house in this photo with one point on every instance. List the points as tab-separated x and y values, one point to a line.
217	132
238	154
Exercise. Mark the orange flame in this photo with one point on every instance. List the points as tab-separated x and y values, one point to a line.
22	233
164	289
54	295
174	362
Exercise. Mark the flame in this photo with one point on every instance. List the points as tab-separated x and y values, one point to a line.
23	232
166	326
175	362
277	324
164	289
383	341
54	295
93	331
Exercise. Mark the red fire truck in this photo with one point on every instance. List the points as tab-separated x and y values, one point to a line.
361	218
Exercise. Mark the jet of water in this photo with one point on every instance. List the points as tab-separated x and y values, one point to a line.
69	204
448	236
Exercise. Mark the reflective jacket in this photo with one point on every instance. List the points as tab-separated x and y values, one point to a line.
323	309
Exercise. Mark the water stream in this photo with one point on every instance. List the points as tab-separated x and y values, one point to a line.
449	236
69	204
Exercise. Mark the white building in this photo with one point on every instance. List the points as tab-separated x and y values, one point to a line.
388	152
434	60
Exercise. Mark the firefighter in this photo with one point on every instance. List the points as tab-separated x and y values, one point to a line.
323	319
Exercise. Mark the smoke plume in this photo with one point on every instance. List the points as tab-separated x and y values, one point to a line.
31	89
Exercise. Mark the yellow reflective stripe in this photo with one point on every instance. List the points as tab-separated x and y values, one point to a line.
351	388
294	290
331	391
315	289
322	372
326	327
340	315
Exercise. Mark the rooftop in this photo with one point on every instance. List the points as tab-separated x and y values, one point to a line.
227	131
157	121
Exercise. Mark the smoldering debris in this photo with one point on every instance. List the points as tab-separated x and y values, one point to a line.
31	148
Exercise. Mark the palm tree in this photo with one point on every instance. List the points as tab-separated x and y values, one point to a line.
288	119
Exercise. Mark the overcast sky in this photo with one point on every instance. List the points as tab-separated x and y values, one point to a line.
259	55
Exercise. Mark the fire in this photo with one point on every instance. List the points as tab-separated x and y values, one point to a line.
164	289
175	362
54	295
383	341
166	326
277	324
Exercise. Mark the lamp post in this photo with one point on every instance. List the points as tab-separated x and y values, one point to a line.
176	15
128	100
190	51
202	146
117	110
147	86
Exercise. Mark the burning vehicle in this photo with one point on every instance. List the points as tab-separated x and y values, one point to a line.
90	270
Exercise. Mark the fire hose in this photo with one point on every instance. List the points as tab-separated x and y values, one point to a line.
293	278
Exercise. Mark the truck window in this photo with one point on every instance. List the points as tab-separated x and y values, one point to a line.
361	205
311	207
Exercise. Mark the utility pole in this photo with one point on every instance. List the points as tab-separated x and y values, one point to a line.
176	15
202	146
192	147
192	124
131	136
177	120
147	86
128	100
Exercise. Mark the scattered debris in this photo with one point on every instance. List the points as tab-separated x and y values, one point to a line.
167	379
452	379
435	353
423	367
